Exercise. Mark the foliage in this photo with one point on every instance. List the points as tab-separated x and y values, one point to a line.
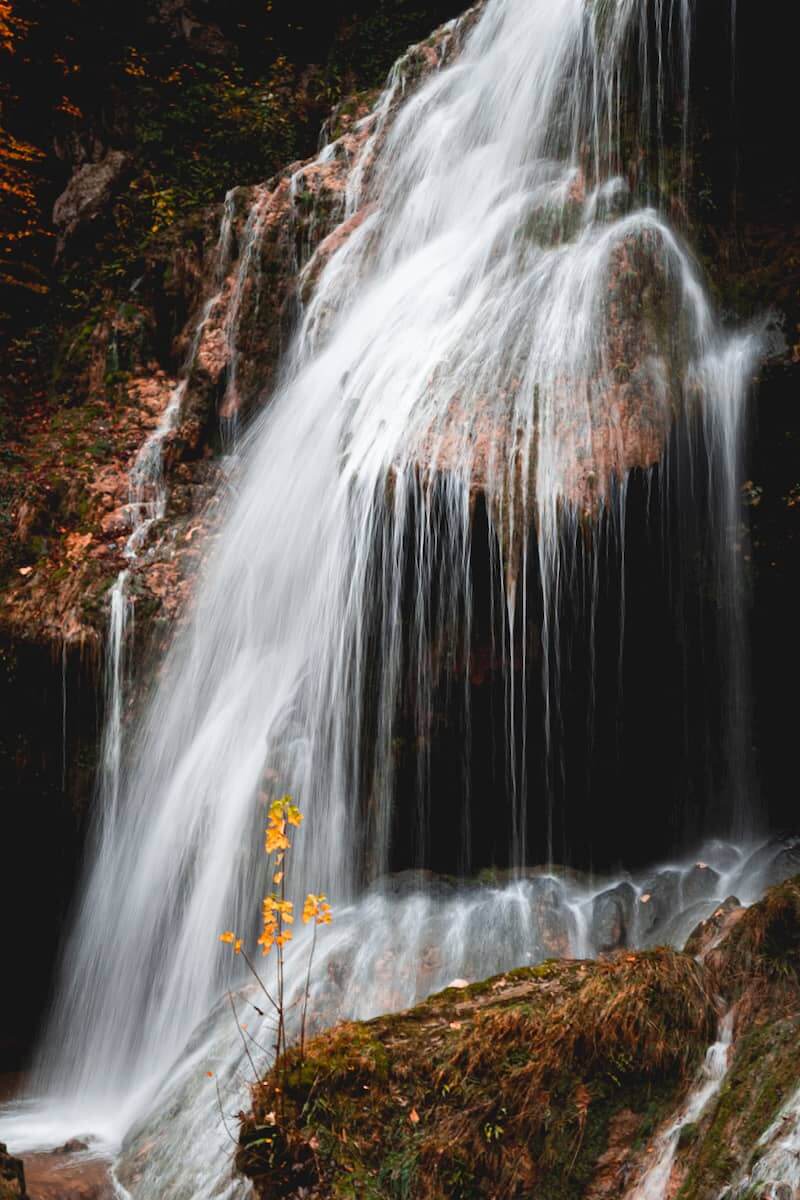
765	943
21	220
277	918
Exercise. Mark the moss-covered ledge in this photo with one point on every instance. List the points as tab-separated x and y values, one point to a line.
522	1081
551	1081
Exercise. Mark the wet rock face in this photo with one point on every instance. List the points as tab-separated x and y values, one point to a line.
708	932
634	395
722	856
699	882
658	901
612	918
553	921
785	862
770	864
12	1176
218	309
68	1174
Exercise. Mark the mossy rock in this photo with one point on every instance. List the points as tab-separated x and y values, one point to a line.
490	1090
764	1073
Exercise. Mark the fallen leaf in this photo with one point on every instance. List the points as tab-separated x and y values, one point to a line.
413	1117
76	543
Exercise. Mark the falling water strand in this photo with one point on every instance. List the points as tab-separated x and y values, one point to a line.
111	755
460	343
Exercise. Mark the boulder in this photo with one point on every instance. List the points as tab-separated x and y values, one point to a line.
681	924
68	1175
721	855
699	882
86	195
73	1146
553	921
612	918
708	932
659	900
414	882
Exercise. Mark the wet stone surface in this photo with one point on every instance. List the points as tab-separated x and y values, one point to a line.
612	918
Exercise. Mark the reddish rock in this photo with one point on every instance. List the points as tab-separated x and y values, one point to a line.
68	1175
614	1165
709	933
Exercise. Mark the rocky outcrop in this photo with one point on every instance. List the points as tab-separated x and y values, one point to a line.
12	1176
503	1088
613	917
557	1081
214	307
657	902
87	195
69	1173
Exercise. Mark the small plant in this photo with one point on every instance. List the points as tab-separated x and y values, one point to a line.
277	918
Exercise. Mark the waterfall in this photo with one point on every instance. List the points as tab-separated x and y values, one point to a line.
514	329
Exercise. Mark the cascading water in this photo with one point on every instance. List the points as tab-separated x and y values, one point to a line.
513	329
655	1184
775	1171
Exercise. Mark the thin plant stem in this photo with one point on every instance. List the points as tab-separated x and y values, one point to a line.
222	1115
305	996
258	978
241	1035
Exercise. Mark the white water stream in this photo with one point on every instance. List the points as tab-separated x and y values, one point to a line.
775	1174
461	339
655	1183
